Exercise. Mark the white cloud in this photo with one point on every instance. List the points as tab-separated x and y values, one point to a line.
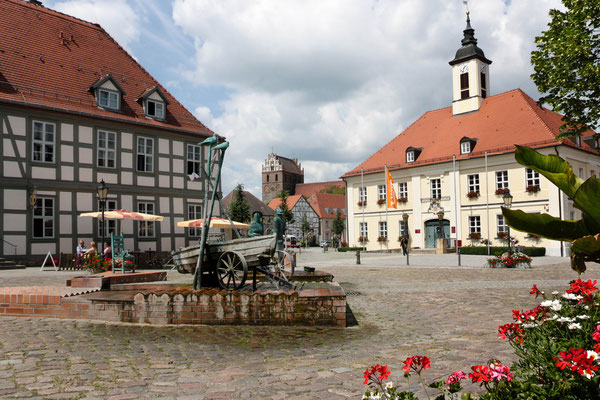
331	81
117	17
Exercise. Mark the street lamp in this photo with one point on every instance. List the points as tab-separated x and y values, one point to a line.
102	191
507	198
440	215
405	219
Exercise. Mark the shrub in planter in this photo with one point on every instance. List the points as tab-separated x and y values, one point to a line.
381	202
473	195
482	250
345	249
501	192
513	260
474	235
532	188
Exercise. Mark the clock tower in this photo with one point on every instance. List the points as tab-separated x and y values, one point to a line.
470	74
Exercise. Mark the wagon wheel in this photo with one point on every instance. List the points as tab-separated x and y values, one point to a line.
283	267
232	270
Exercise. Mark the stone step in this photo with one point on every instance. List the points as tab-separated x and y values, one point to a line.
9	264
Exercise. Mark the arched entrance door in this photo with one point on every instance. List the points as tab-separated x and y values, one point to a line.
431	232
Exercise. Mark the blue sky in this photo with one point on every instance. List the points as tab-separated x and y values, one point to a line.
326	81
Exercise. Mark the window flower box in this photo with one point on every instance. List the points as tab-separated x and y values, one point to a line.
402	200
532	188
533	237
500	192
381	202
473	195
362	203
502	235
363	239
474	235
382	239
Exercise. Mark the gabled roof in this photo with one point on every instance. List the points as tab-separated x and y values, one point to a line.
108	77
289	165
148	92
255	203
502	121
325	204
291	202
49	60
308	189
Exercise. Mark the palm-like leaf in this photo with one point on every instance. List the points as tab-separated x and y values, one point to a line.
545	225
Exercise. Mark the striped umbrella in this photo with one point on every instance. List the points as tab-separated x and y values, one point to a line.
123	214
215	222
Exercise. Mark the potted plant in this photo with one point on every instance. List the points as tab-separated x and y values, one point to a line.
502	235
382	239
381	202
474	235
402	200
363	239
473	195
500	192
362	203
532	188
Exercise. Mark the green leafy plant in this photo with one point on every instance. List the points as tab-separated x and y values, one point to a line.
584	233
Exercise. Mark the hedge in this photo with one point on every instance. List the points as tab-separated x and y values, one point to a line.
344	249
482	250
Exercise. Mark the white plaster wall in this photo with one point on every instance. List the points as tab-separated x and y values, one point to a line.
163	164
85	202
109	86
126	178
126	160
194	185
65	201
66	173
18	240
11	169
85	156
15	199
166	244
14	222
85	134
8	148
163	146
164	205
178	205
126	140
127	202
177	182
65	224
145	246
66	132
165	226
108	178
66	153
84	226
18	125
178	166
177	148
127	227
85	174
66	245
179	242
43	173
43	248
145	181
164	181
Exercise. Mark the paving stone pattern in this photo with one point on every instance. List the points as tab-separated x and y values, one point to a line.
448	313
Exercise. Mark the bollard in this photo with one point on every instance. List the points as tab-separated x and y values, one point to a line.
458	252
407	260
357	257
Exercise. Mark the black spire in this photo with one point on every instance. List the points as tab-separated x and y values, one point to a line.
469	47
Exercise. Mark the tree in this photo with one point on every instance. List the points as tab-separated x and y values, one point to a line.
287	213
239	209
566	68
333	189
305	227
338	227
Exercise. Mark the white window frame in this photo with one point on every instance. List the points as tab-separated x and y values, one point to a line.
473	183
403	228
145	228
363	228
147	155
194	159
465	147
111	204
46	146
436	188
104	153
410	156
474	224
194	212
383	229
532	178
158	105
381	192
113	103
45	213
403	190
501	180
501	224
362	194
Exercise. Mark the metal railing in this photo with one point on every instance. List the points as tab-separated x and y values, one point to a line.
10	244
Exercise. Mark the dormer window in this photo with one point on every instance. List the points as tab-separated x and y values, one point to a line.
108	93
109	99
410	156
155	103
155	109
467	145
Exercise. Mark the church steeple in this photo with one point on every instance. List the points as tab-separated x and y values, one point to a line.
470	74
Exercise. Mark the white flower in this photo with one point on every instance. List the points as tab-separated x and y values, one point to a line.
572	296
592	354
556	306
574	325
586	307
555	292
546	303
565	319
587	375
376	396
552	318
529	325
583	317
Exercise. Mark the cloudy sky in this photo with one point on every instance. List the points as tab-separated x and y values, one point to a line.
326	81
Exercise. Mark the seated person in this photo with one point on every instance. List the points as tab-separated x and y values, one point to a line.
92	250
107	251
81	248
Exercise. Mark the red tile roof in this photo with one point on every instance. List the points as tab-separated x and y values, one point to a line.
289	165
291	202
308	189
324	202
502	121
50	60
255	203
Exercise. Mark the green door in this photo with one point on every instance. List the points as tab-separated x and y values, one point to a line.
431	228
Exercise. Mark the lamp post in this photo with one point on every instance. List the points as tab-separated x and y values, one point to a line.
507	198
102	191
405	219
440	215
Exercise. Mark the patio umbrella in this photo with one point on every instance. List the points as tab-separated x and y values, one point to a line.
123	214
215	222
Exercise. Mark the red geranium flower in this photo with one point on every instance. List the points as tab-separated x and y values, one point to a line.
416	363
576	360
536	291
480	373
583	288
376	374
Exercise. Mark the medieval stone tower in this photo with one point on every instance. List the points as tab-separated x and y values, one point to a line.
280	173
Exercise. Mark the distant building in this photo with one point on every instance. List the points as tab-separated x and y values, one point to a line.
255	205
327	205
280	173
308	189
298	205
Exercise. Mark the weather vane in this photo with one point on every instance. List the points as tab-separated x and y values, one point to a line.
466	3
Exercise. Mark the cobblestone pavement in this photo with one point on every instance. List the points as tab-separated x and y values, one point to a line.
448	313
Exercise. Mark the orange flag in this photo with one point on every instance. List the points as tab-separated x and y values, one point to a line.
392	200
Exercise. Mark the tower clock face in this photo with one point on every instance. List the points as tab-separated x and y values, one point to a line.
483	68
464	68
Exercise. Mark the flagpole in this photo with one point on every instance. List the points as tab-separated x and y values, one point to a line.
362	187
387	228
